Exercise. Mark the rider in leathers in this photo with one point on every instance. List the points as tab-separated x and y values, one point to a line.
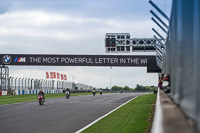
41	92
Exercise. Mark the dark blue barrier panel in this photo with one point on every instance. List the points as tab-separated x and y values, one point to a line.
22	92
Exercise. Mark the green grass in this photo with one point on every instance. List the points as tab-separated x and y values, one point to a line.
133	117
32	97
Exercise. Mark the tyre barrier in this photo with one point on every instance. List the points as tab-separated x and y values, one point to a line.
25	92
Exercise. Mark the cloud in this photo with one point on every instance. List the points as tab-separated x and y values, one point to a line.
53	29
41	31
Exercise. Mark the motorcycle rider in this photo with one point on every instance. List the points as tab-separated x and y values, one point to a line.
67	91
42	93
100	90
93	91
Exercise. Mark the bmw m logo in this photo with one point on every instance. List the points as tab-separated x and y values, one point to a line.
7	59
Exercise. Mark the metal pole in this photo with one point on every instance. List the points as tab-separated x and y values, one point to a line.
53	83
57	84
159	25
1	79
41	83
12	81
35	83
38	84
9	82
22	83
159	10
47	82
156	16
25	84
15	83
158	34
7	72
28	83
31	83
62	85
162	45
19	83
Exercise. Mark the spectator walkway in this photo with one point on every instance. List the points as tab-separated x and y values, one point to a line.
168	117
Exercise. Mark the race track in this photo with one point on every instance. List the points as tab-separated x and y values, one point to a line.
58	115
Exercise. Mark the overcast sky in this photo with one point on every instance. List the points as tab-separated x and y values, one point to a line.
76	27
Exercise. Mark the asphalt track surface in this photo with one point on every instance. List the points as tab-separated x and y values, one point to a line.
59	115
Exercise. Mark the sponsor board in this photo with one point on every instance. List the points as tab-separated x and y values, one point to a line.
76	60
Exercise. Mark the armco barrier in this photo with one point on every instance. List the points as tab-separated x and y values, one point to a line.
25	92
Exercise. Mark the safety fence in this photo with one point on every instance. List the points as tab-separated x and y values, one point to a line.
24	92
33	84
181	60
22	86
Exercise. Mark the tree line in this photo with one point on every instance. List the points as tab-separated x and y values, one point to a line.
137	88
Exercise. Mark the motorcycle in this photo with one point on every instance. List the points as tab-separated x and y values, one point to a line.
41	99
100	93
94	93
67	94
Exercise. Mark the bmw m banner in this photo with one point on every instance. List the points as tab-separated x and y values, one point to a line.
76	60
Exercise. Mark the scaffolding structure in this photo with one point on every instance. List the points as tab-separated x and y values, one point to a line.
4	77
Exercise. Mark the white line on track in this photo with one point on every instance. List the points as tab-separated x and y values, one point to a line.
18	103
82	129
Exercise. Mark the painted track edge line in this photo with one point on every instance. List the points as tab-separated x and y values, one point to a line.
82	129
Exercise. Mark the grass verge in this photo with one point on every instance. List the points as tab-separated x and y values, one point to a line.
32	97
133	117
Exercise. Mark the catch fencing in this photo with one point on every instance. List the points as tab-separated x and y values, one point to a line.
182	57
22	86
